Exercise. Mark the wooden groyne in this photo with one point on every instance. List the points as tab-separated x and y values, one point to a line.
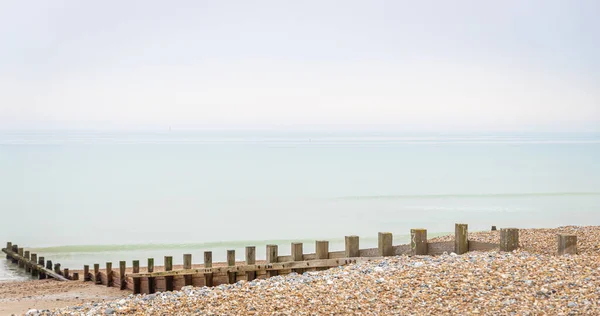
151	279
30	262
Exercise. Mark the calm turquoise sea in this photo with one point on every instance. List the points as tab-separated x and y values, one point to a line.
85	198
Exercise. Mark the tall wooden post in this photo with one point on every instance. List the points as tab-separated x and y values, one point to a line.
21	261
384	244
109	274
34	269
151	280
250	260
49	265
15	250
272	253
418	242
352	247
231	263
509	239
321	251
27	259
66	273
97	278
461	238
187	264
86	272
122	269
8	247
297	255
57	269
137	282
169	279
208	277
41	262
567	244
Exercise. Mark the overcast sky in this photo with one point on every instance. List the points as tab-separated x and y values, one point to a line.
422	65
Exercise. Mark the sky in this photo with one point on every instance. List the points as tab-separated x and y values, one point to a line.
406	65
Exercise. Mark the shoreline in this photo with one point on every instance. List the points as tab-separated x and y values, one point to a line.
534	263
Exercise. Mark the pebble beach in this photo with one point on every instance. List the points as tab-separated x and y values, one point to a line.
529	281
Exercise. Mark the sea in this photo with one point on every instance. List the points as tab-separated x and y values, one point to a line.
94	197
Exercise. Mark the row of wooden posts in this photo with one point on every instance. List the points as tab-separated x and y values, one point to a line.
298	261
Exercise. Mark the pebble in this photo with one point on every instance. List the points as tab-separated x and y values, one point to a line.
529	281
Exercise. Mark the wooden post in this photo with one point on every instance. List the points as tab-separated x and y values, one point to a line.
168	279
509	239
27	259
321	251
57	268
250	260
151	280
297	255
122	269
8	247
66	273
384	242
49	265
137	282
34	271
567	244
109	276
15	249
272	253
21	262
352	247
97	279
41	262
187	264
75	276
461	238
418	242
208	277
86	273
231	262
494	228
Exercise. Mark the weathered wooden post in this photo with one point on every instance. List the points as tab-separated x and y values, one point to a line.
122	269
297	255
109	275
137	282
321	251
34	269
15	250
151	280
384	244
352	247
231	262
66	273
418	241
97	279
41	262
49	265
57	269
494	228
509	239
187	264
8	247
21	261
75	276
461	238
208	277
27	259
567	244
169	278
86	273
250	260
272	253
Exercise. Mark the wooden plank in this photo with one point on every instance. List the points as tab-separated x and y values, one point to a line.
46	271
260	267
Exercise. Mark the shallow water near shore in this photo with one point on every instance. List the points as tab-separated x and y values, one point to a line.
85	198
